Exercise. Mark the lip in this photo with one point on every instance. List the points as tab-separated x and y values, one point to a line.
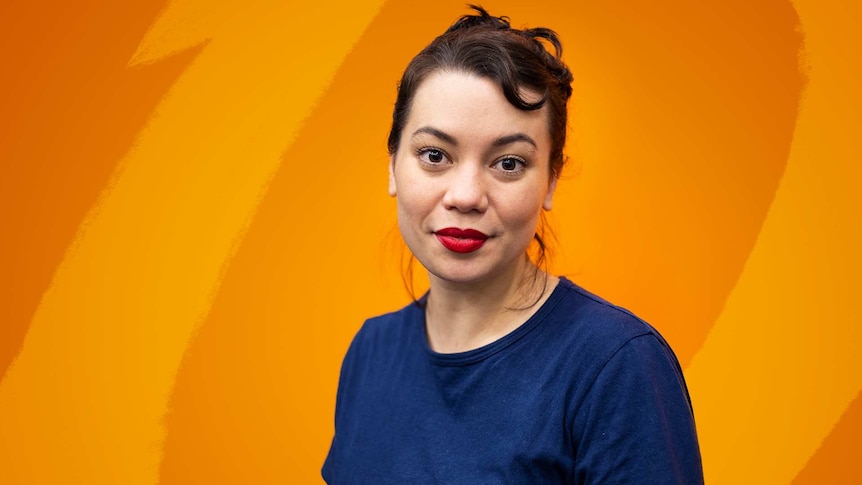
461	240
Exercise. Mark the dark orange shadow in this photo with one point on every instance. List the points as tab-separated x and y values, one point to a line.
837	459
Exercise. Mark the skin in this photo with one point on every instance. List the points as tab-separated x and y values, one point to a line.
469	159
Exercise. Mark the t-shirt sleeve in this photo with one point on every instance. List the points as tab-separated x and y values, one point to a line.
635	424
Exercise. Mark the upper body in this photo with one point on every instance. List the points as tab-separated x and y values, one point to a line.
503	373
581	393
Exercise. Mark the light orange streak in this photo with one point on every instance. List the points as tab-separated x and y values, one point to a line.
84	400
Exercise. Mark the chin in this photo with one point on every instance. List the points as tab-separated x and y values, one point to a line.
460	272
458	277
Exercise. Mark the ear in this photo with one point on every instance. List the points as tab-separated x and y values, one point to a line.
392	191
549	197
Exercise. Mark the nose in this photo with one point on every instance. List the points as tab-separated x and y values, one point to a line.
466	189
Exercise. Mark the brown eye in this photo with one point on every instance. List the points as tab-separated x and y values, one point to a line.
510	165
435	156
432	157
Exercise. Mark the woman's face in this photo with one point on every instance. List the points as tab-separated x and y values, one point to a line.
471	176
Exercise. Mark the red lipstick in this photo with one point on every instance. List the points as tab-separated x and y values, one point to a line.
461	240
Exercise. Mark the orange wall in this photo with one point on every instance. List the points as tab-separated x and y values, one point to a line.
195	222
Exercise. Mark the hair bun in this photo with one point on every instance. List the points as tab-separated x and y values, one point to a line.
483	19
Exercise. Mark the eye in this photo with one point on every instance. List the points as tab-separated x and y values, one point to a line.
432	157
510	165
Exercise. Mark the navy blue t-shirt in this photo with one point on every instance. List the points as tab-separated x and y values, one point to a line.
582	393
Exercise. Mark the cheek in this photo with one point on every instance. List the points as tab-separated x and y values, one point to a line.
414	205
525	221
521	209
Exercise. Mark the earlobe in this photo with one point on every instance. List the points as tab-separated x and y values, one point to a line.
549	197
392	191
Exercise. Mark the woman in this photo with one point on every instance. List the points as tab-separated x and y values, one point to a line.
501	373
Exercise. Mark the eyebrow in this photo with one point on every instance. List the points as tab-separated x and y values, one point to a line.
438	134
502	141
509	139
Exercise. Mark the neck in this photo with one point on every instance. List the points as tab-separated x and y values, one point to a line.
462	317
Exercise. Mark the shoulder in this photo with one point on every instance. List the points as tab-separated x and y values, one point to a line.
600	314
611	345
381	336
392	325
595	327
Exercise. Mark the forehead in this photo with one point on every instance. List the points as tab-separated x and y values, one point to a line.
473	107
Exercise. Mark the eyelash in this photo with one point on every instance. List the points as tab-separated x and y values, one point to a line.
511	173
423	152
